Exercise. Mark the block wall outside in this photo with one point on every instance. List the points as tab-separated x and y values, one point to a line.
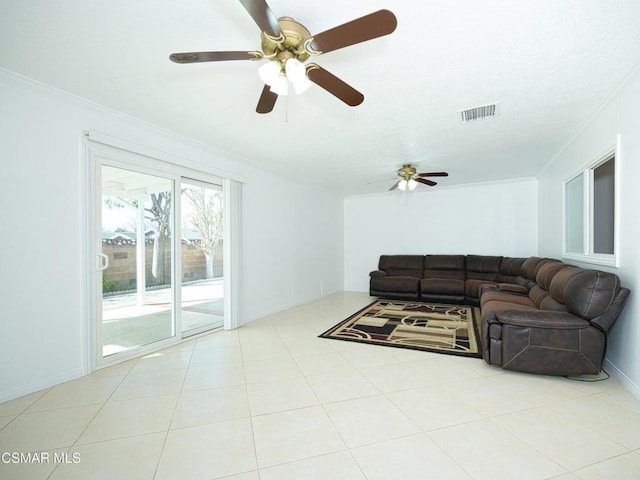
121	274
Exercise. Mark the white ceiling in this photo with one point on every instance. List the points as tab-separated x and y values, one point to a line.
549	64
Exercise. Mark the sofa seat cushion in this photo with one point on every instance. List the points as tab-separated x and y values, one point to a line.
395	284
472	287
495	300
442	286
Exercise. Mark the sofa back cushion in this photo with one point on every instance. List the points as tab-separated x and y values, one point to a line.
586	293
483	267
539	293
509	270
444	266
402	265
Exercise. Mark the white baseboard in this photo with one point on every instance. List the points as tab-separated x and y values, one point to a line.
30	388
628	384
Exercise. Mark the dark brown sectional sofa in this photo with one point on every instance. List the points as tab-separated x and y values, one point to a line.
539	315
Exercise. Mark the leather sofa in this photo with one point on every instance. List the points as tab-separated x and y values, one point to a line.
442	278
539	315
558	327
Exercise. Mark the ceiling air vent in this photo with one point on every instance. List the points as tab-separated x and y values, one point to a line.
479	113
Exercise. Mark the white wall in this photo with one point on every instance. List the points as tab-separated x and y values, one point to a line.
484	219
620	114
293	241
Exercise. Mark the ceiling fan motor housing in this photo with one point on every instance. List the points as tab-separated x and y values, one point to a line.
407	172
292	46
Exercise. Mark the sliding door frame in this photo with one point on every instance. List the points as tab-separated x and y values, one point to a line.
99	149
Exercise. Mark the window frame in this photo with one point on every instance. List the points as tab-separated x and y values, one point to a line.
587	255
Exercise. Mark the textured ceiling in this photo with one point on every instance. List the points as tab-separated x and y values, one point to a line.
549	64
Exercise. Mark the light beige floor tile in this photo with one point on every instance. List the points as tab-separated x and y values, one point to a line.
213	376
542	389
208	451
131	458
244	476
571	444
280	395
615	423
150	384
441	369
162	361
315	364
396	377
218	339
431	408
334	466
24	469
4	421
216	356
87	391
126	418
21	404
46	430
414	457
294	435
271	369
369	420
363	356
624	467
201	407
338	386
122	368
621	398
264	349
310	345
489	396
487	451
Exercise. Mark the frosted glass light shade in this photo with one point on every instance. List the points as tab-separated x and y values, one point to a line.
297	75
411	184
280	86
270	72
402	185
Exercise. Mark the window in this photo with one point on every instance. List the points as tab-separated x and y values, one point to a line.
590	212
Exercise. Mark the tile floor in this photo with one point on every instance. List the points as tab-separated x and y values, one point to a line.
271	401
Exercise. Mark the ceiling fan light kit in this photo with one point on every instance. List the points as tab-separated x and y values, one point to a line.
410	178
287	44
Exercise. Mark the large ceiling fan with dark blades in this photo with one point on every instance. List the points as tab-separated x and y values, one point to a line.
409	178
287	44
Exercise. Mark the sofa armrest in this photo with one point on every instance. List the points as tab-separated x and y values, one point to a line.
540	319
378	273
512	288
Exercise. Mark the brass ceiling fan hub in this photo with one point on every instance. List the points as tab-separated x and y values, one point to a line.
290	44
407	172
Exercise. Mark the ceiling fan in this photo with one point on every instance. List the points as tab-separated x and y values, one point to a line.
287	44
409	178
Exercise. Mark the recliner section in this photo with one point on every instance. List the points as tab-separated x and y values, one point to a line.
539	315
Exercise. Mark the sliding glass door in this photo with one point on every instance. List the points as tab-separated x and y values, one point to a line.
201	206
136	261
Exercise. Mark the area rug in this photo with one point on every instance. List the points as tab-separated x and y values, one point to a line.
451	329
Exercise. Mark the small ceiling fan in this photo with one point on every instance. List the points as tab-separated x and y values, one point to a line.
409	178
287	44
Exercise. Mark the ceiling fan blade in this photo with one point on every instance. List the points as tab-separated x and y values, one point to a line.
371	26
425	181
267	100
263	16
334	85
394	186
433	174
194	57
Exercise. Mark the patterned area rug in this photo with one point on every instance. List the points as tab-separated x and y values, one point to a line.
451	329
